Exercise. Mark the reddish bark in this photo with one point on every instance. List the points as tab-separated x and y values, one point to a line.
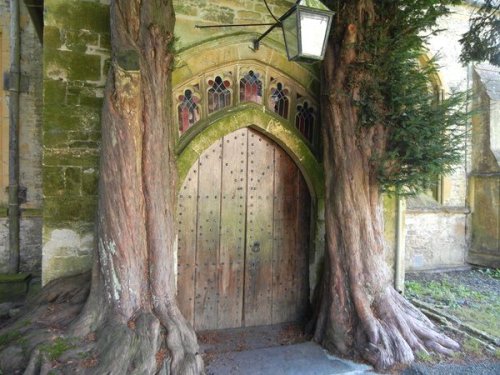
360	312
132	304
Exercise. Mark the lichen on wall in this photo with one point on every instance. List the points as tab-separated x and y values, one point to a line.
76	61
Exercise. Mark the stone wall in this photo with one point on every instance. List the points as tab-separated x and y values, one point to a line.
76	55
29	142
484	179
436	231
76	58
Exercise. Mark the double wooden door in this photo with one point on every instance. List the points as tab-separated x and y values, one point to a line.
243	219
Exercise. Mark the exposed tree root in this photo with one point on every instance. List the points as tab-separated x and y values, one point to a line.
49	335
399	331
389	334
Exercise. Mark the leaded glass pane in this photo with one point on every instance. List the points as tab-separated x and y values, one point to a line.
304	120
189	111
219	96
279	101
251	88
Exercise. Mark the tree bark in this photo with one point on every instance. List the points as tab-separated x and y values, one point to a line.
359	312
132	303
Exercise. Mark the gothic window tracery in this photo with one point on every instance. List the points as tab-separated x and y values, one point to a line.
279	101
304	119
219	95
189	110
251	88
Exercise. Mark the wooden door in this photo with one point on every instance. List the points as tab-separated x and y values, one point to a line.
243	214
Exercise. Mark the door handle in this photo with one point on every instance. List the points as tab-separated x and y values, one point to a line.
256	247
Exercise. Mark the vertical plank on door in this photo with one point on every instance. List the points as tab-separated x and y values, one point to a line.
285	247
259	244
209	181
232	235
186	250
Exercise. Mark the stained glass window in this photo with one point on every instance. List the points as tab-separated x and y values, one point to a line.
251	88
304	120
279	101
189	112
219	96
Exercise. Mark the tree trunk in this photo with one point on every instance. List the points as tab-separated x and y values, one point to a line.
132	304
360	313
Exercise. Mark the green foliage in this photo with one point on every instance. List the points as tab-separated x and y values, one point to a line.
424	133
482	41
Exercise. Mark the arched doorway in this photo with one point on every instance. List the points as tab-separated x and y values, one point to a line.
244	226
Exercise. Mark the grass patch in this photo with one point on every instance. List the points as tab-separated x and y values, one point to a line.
476	308
473	346
424	357
57	348
8	337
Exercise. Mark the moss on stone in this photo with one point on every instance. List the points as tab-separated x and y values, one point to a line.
64	157
78	15
54	92
77	40
90	179
72	65
69	209
53	181
72	181
52	37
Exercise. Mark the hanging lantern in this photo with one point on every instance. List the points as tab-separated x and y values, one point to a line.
305	29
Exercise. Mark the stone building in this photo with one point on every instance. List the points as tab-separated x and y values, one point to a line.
30	135
226	97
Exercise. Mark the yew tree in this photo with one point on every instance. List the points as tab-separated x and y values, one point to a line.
382	130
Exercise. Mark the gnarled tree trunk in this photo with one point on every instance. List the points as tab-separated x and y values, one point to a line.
359	310
132	306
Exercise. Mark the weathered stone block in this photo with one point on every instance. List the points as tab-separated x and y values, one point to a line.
66	251
77	41
73	181
83	158
78	15
52	37
248	15
90	179
70	209
186	10
218	14
55	138
54	92
72	65
53	181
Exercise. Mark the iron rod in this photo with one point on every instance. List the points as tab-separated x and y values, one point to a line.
232	25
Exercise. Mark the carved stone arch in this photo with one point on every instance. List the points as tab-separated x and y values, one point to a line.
249	115
228	50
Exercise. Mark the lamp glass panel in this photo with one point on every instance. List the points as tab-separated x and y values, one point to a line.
313	33
290	34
